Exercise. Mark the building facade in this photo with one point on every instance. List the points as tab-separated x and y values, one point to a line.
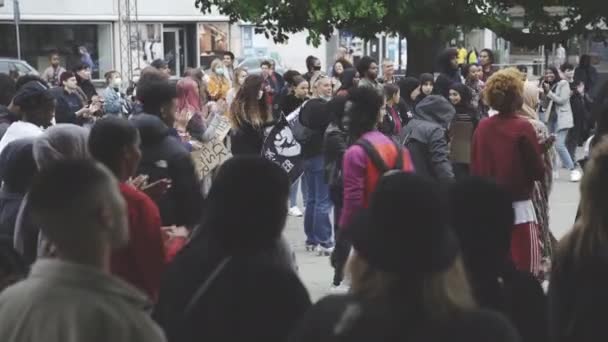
172	30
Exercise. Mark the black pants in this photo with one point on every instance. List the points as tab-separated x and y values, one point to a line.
342	248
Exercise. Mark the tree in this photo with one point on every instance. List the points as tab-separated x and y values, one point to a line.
423	23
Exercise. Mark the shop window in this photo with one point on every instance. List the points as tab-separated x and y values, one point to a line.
213	40
75	43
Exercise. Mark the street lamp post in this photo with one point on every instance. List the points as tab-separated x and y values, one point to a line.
17	14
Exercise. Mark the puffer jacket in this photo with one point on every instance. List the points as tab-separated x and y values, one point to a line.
426	137
164	156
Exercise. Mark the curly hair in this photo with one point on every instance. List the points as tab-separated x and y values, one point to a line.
504	91
364	113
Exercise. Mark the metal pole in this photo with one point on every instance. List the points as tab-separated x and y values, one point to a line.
17	15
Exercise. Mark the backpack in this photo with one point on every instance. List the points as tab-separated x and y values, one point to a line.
301	133
419	153
377	160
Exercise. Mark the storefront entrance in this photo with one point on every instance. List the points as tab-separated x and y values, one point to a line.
175	49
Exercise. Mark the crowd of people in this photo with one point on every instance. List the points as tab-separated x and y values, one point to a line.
438	185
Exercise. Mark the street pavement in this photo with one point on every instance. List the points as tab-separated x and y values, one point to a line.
316	272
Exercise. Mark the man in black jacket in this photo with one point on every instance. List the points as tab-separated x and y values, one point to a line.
426	137
165	156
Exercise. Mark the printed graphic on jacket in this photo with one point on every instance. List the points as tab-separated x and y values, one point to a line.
281	148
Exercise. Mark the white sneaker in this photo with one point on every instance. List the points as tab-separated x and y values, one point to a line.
325	251
575	176
295	211
555	175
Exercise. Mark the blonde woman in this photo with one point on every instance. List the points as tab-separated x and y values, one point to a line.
249	114
408	281
218	85
542	189
240	74
577	291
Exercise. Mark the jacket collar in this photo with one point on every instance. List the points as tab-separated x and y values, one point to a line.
64	273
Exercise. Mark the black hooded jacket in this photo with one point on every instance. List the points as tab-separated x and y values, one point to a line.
426	137
164	156
6	119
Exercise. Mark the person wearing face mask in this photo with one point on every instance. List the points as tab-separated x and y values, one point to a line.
218	85
323	88
313	65
115	102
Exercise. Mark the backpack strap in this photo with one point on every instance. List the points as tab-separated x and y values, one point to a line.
373	154
377	160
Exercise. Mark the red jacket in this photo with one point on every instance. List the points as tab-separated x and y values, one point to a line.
142	261
506	149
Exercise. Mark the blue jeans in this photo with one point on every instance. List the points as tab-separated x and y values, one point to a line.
317	224
293	192
560	145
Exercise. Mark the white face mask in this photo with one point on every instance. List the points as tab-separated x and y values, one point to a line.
219	71
117	82
260	95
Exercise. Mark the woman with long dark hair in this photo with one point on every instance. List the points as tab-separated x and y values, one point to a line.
350	80
249	115
559	117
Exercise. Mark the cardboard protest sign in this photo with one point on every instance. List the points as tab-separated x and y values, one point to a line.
213	153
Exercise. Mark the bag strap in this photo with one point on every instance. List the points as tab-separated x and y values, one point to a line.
203	288
377	160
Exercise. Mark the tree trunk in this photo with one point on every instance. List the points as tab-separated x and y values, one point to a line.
422	53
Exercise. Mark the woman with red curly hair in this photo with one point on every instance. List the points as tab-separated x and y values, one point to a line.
506	149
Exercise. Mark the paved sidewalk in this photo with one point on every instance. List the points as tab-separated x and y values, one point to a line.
317	273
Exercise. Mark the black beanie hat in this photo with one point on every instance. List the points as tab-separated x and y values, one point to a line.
406	229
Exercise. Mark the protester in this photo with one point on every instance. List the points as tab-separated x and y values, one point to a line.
409	90
53	72
73	297
273	84
115	102
238	79
390	123
70	105
59	142
556	95
368	69
462	55
165	157
371	155
36	108
82	72
350	81
228	60
322	88
314	118
218	84
520	165
542	189
388	72
586	73
115	143
335	143
447	64
337	71
313	67
17	170
249	115
426	136
471	74
472	56
427	82
483	219
236	271
461	129
578	277
403	289
297	95
198	76
486	62
162	66
579	103
189	121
